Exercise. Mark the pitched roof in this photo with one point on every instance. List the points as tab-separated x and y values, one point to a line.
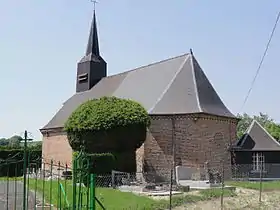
173	86
257	138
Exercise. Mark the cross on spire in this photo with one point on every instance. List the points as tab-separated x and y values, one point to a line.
94	3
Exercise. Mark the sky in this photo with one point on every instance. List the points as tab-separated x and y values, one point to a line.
42	41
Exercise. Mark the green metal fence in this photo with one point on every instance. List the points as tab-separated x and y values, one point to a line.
33	183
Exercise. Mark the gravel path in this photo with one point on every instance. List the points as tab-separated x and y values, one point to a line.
11	196
245	200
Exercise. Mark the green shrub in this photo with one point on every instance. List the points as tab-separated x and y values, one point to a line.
11	161
99	163
102	163
107	124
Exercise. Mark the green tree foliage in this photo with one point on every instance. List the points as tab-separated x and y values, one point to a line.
12	142
16	142
15	167
268	123
3	142
108	121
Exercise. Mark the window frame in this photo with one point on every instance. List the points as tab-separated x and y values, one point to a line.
258	162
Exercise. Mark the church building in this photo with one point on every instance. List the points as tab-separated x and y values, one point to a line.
190	123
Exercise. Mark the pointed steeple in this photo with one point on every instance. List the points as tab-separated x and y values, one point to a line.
92	67
93	45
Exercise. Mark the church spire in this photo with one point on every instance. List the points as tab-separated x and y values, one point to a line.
93	45
92	67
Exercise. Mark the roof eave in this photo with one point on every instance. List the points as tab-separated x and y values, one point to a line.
194	113
45	130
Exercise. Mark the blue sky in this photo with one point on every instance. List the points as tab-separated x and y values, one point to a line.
41	42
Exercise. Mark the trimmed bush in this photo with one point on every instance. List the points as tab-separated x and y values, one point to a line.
100	163
107	124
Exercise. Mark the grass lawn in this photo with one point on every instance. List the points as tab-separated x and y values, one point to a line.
266	185
116	200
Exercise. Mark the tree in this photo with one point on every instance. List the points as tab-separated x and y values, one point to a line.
268	123
3	142
14	141
263	119
244	123
107	124
36	145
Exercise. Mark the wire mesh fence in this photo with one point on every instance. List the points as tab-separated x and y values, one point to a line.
33	183
161	180
198	185
50	184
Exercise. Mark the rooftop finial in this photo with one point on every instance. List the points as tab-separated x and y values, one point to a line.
93	46
191	51
94	4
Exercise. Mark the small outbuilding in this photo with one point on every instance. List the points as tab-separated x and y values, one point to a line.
256	155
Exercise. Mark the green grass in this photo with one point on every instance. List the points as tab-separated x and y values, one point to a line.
117	200
110	198
10	178
266	186
114	199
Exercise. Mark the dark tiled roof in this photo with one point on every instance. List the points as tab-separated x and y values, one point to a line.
257	139
174	86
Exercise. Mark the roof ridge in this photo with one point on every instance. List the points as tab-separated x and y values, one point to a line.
270	136
170	83
131	70
195	84
151	64
245	135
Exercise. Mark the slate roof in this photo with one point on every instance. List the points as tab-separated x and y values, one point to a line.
257	138
173	86
93	44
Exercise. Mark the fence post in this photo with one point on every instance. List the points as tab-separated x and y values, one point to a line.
25	139
173	161
92	192
170	190
24	169
74	182
223	184
261	171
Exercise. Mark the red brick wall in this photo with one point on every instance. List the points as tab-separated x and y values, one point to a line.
56	147
194	143
197	139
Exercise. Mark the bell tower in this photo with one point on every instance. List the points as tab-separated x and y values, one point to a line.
92	67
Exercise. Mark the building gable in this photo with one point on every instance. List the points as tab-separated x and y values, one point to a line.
257	138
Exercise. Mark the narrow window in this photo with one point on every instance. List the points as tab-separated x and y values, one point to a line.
83	78
258	162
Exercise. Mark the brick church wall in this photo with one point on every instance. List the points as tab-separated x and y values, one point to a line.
56	147
197	139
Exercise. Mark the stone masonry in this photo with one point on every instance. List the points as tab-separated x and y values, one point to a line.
197	139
